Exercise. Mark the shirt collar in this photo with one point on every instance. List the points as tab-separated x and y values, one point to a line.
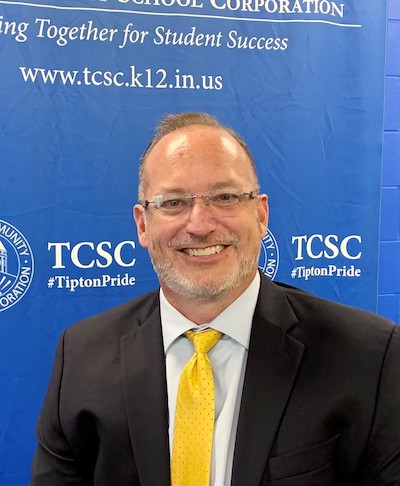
235	321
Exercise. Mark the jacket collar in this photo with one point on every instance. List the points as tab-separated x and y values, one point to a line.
145	395
273	361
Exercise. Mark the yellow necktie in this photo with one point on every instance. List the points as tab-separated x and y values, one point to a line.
195	413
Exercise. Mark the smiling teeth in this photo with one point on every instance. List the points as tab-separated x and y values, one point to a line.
211	250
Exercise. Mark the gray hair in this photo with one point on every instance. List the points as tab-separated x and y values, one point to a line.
176	121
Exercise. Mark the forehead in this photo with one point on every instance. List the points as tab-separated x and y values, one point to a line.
199	139
197	154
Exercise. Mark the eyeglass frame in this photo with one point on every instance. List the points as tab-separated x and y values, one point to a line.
189	198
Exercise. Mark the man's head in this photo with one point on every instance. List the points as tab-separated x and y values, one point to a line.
177	121
207	246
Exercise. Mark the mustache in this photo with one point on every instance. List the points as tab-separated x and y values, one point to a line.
179	242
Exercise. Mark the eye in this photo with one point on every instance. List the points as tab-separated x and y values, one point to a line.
173	203
226	198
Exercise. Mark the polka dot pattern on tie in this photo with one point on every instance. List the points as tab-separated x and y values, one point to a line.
195	412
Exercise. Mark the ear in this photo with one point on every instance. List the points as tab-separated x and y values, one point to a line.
139	216
263	213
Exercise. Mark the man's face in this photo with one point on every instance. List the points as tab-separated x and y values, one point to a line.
204	252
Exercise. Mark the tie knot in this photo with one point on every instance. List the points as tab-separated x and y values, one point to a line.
203	341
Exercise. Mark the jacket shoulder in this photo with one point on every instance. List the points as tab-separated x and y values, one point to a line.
118	320
313	310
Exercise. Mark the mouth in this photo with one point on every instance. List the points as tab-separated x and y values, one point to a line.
209	250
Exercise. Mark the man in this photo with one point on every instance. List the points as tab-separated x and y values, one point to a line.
305	391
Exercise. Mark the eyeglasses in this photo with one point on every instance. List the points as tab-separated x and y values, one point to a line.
175	203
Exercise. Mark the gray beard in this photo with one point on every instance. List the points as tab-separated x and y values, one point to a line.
190	289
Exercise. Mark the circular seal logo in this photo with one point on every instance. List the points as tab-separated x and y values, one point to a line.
269	255
16	265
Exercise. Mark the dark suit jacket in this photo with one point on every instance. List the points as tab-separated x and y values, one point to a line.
320	406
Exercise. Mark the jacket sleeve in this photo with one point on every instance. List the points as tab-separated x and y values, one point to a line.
54	463
381	465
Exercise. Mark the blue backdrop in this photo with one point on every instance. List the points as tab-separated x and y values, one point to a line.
83	83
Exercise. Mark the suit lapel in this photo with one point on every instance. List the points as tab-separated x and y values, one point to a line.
272	364
145	394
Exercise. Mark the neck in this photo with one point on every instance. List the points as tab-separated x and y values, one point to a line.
202	311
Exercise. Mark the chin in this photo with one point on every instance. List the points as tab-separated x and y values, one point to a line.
205	283
206	290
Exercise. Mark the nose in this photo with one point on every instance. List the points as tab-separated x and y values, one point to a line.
200	219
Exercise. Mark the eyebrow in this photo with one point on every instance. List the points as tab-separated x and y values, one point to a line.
218	185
